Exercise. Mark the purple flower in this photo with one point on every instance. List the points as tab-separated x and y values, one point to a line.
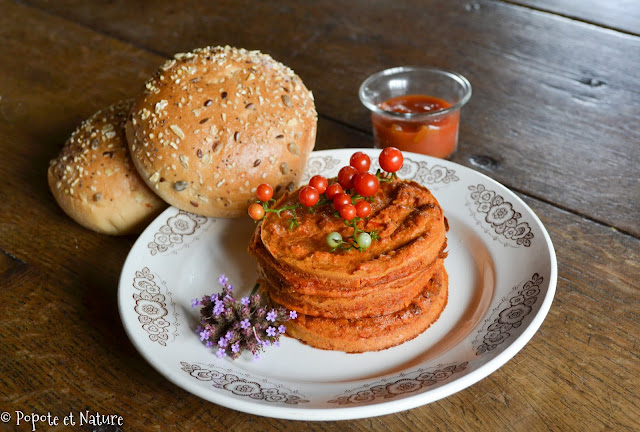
218	308
293	314
229	326
276	344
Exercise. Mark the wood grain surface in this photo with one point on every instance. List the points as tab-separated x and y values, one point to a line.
620	15
554	116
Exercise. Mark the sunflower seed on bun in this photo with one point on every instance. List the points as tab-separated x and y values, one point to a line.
214	123
94	181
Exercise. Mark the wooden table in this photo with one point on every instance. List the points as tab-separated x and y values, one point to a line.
555	116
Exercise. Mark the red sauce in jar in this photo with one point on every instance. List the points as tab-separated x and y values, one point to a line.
435	136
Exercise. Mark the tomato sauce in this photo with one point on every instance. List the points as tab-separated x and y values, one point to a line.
434	136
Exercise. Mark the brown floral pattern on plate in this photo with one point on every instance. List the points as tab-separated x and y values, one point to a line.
249	387
152	308
408	383
319	165
499	216
175	231
512	312
420	172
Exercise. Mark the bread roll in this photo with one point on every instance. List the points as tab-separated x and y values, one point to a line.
213	124
94	180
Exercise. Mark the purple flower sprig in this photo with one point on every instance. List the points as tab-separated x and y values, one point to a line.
229	327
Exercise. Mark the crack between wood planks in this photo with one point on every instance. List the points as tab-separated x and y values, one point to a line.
573	212
10	267
17	260
314	36
95	30
347	125
567	16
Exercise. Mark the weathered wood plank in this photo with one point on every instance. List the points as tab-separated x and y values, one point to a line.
621	15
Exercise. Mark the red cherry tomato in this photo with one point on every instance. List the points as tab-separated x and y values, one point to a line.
256	211
348	211
341	200
308	196
345	177
366	184
334	190
360	161
391	159
319	183
264	192
363	209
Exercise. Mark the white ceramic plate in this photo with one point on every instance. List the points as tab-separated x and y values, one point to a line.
502	279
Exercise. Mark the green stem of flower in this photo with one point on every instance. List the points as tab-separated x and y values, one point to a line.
294	220
255	289
280	210
322	201
255	334
384	176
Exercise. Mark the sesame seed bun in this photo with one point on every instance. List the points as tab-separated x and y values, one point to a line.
213	124
94	180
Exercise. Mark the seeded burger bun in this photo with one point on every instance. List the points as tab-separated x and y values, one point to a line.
94	180
213	124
